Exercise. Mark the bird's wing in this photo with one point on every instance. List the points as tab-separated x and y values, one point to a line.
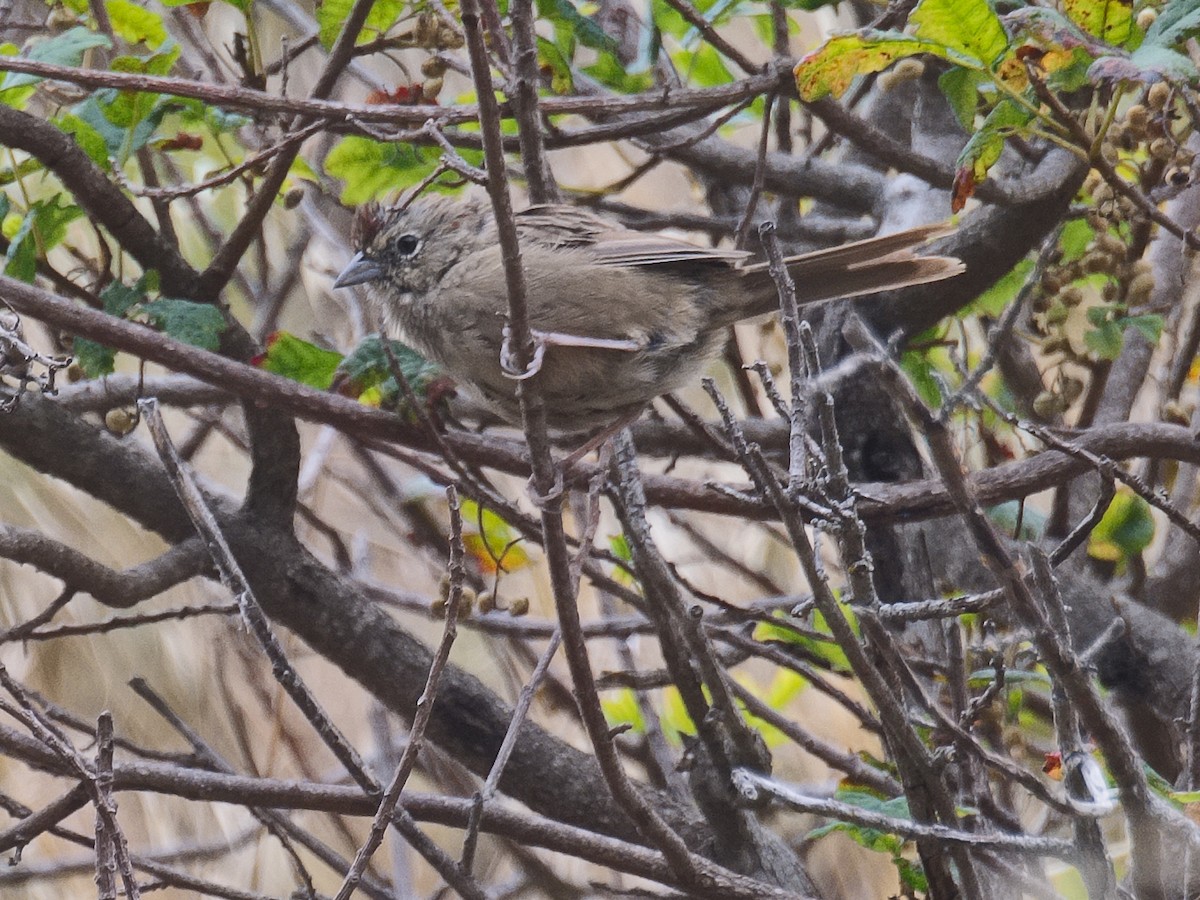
610	244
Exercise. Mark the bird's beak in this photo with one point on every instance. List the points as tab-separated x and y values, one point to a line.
360	270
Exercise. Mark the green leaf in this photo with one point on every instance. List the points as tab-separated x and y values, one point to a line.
1107	338
871	838
367	367
961	87
986	145
1009	514
198	324
135	24
490	540
563	14
995	299
981	679
830	69
43	228
293	358
1148	63
704	66
611	72
88	138
1150	325
1178	21
970	27
21	255
1109	20
911	874
53	217
552	58
197	112
1074	240
373	169
16	96
621	708
96	360
331	14
785	686
808	5
823	648
1126	529
159	63
120	298
65	49
125	121
1105	341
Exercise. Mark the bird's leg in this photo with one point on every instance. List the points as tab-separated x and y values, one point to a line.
508	362
599	439
544	339
563	467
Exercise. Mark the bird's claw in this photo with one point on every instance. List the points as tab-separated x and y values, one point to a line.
548	499
508	363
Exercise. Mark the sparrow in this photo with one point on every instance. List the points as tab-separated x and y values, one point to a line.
619	316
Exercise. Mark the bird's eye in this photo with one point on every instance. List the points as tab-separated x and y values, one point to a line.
407	244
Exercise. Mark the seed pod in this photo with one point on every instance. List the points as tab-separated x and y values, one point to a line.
486	602
466	603
434	66
1072	389
449	39
1056	344
293	197
1140	288
1178	176
1177	413
1071	297
426	32
1111	244
1137	118
906	70
519	607
1057	313
431	88
120	421
1141	266
1047	405
437	608
1162	149
1158	94
1098	261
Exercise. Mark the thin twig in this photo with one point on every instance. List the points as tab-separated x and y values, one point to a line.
391	797
231	575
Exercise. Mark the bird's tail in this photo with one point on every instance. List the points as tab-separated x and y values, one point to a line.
863	267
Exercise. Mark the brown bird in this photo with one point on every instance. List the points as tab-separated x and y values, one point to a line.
619	316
